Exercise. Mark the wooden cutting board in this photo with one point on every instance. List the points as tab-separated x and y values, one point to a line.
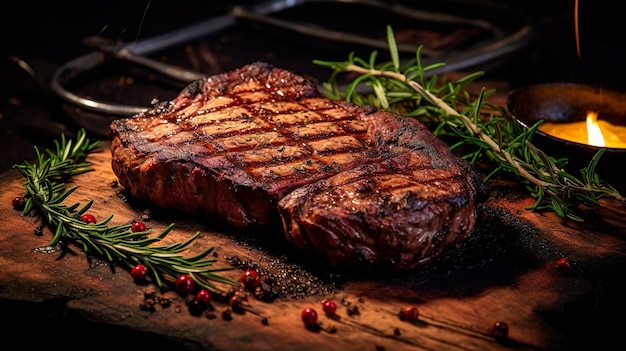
504	272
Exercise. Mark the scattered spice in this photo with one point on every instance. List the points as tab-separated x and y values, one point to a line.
185	284
227	315
139	272
564	265
329	307
237	302
88	218
280	278
309	317
195	307
250	279
331	329
18	203
410	313
149	300
138	227
203	297
500	330
353	310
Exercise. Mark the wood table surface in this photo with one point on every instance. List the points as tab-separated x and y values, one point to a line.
505	271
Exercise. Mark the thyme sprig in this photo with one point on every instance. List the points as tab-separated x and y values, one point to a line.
480	130
45	192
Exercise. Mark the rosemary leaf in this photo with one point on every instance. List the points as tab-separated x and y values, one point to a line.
484	133
45	192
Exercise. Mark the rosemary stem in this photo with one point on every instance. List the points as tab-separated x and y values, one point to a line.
45	193
451	111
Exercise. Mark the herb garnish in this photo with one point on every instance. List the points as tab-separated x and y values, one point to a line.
45	190
482	131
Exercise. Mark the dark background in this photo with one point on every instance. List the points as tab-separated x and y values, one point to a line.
49	34
46	35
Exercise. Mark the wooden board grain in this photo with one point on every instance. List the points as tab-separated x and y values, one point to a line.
504	272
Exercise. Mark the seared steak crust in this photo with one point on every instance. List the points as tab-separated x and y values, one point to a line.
400	212
260	144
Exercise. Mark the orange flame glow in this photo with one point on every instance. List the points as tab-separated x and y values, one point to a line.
594	134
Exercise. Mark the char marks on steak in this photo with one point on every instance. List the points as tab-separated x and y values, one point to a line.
260	144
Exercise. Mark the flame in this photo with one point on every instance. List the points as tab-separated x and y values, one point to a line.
594	134
599	133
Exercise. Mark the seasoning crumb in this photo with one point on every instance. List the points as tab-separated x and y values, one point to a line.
282	279
146	215
353	310
39	230
147	305
165	302
227	315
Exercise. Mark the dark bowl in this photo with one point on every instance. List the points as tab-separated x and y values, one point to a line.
567	102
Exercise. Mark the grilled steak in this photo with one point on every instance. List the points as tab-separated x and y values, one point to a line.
260	144
401	211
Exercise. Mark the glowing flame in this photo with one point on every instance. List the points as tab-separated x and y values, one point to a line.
594	134
599	133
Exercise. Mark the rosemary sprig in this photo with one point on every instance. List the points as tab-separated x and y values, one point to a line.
482	131
45	191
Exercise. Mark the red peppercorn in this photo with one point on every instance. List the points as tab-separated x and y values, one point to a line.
137	227
410	313
329	307
250	279
88	218
185	284
500	330
18	203
203	296
139	272
564	265
309	316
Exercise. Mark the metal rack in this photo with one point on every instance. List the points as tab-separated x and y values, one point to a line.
501	42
